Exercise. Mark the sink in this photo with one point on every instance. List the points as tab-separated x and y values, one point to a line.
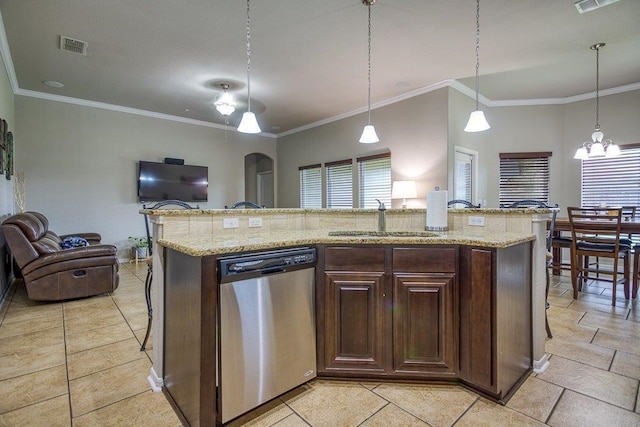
366	233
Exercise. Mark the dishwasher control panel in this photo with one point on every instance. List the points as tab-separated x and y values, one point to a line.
256	264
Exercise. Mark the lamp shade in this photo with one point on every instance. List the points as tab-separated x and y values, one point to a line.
581	154
249	124
369	135
404	190
597	150
613	150
477	122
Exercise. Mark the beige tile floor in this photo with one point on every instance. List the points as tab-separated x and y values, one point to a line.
78	363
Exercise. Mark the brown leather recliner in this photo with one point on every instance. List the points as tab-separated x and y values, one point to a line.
52	273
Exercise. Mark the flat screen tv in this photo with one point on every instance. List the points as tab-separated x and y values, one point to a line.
164	181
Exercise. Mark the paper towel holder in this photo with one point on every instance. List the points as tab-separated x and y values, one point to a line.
433	227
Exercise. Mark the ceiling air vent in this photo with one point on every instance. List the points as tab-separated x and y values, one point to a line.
73	45
585	6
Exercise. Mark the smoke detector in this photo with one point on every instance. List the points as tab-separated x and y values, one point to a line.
585	6
73	45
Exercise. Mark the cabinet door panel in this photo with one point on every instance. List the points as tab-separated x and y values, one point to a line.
424	337
477	313
354	321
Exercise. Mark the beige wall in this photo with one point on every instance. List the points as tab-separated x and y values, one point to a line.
557	128
414	130
421	134
80	163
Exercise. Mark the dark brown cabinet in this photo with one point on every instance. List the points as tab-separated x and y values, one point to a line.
388	311
353	330
495	318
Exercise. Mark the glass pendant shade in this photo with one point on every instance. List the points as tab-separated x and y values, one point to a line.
249	124
597	150
225	104
369	135
613	150
581	154
477	122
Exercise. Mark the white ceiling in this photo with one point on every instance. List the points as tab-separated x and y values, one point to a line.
309	58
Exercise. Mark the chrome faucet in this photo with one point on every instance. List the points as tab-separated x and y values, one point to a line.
382	223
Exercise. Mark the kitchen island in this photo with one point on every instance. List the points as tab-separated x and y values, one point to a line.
465	296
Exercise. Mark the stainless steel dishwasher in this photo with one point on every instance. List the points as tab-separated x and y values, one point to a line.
267	326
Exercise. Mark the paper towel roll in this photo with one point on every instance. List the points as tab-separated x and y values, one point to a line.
437	210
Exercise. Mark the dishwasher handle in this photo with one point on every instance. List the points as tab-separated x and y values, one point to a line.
272	270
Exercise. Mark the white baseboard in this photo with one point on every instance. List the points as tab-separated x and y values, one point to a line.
539	366
155	382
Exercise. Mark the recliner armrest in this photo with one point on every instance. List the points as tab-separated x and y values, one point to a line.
65	255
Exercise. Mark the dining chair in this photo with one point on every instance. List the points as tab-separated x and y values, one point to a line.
531	203
595	232
464	203
165	204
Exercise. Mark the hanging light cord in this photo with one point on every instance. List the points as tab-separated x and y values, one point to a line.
597	87
369	70
248	58
477	53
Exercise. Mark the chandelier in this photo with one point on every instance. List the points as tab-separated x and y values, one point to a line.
598	146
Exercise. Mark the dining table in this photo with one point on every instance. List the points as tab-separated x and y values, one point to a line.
629	226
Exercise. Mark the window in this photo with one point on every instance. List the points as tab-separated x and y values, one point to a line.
612	181
524	176
310	186
339	177
374	173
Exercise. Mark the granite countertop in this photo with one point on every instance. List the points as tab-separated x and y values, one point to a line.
216	244
189	212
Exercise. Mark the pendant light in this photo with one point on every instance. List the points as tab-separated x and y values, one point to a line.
597	147
477	122
248	124
369	135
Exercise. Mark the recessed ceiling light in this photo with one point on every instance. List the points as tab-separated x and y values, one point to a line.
52	83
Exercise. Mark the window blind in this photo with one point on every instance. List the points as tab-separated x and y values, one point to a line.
310	186
613	181
339	176
524	176
374	173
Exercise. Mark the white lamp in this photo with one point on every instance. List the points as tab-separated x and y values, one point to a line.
477	122
369	135
404	190
248	124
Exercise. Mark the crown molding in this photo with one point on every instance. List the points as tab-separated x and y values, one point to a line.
121	109
383	103
6	57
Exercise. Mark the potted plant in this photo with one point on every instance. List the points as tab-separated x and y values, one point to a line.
140	246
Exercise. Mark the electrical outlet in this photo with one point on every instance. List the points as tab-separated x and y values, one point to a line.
230	223
476	220
255	222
